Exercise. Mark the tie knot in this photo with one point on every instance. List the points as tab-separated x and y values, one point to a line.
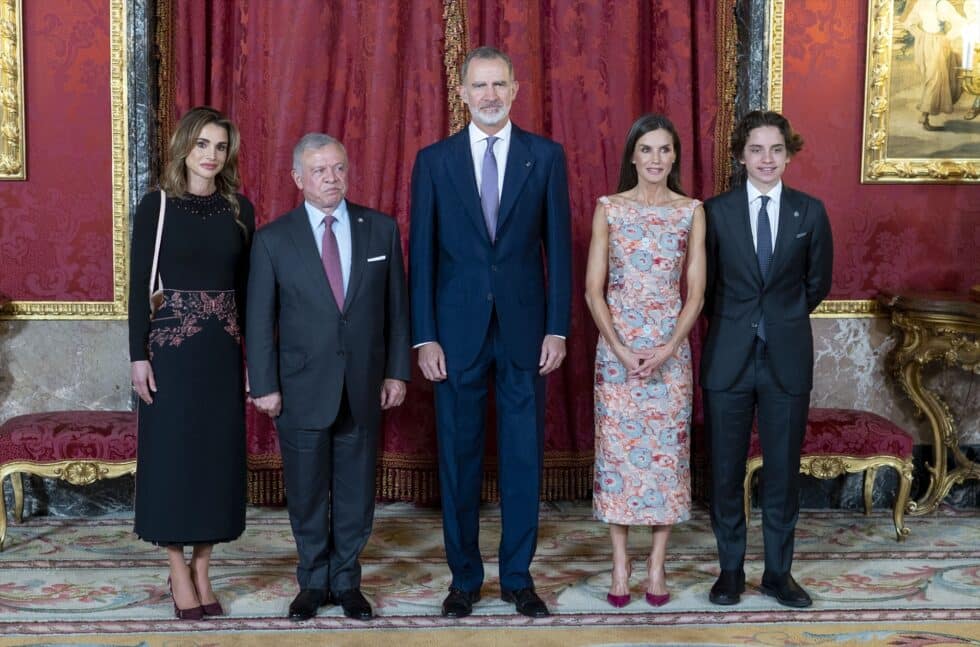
328	221
765	200
491	140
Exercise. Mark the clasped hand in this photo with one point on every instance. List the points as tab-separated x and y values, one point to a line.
642	363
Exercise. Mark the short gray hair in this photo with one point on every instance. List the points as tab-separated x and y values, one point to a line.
312	141
485	53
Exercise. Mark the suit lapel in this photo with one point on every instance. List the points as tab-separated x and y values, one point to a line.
311	265
360	234
520	162
463	177
743	231
790	220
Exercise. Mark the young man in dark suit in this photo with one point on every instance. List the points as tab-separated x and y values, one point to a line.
328	349
758	355
490	221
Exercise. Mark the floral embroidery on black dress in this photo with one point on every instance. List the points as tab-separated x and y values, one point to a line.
182	313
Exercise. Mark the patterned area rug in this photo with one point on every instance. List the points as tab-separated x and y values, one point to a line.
69	581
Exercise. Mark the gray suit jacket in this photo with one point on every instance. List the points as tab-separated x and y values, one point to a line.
297	340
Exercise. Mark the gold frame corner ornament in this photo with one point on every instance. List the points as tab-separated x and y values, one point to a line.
13	165
843	309
117	307
776	31
876	166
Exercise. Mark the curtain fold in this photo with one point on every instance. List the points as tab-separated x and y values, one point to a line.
380	76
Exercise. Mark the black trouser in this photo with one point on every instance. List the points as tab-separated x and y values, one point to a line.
782	424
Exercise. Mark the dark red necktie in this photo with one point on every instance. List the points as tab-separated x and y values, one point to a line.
331	261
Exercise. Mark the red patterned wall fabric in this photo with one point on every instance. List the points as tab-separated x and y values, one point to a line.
373	75
369	73
922	237
587	70
56	227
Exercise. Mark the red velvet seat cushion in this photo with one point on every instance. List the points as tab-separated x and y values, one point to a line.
850	433
64	435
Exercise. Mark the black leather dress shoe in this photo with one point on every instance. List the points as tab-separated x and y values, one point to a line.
459	603
786	591
304	606
354	604
527	602
728	588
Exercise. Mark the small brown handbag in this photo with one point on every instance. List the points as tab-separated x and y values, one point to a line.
156	296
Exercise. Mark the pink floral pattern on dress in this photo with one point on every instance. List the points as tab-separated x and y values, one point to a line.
642	442
182	313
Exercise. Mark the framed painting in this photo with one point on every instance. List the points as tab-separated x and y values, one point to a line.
64	230
922	92
12	166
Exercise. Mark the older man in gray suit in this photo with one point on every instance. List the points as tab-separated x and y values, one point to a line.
328	349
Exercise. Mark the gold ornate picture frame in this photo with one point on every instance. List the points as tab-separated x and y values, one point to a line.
117	307
922	92
12	164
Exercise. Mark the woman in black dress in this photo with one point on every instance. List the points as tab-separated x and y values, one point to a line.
187	358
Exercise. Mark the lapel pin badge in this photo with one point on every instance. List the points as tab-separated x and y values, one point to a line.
527	163
796	214
362	219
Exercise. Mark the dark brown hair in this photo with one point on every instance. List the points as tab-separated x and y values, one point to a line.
758	119
646	124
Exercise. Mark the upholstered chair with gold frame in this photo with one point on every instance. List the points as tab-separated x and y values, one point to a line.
840	441
80	447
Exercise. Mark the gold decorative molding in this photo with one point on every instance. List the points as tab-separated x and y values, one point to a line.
454	24
12	151
74	472
876	166
776	22
828	466
115	309
726	46
848	309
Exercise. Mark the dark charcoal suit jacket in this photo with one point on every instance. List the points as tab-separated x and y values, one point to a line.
736	295
299	343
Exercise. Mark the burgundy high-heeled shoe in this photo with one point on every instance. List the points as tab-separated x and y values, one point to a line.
620	601
194	613
657	599
211	608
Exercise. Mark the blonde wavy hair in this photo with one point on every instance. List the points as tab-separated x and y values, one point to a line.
174	177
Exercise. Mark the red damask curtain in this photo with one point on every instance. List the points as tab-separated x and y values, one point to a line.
378	76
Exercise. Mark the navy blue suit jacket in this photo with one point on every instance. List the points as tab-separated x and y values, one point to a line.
457	276
736	295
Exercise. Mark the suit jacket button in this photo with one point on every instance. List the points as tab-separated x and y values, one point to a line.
340	353
493	267
490	296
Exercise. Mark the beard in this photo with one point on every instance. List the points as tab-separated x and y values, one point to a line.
489	116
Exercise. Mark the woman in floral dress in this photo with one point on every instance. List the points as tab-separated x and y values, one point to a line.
643	239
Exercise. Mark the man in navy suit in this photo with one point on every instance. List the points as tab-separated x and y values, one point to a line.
758	355
490	282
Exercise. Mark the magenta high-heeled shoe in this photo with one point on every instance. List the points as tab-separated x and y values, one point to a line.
655	600
618	601
194	613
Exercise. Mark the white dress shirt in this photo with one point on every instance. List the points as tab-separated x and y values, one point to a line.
478	148
755	200
341	231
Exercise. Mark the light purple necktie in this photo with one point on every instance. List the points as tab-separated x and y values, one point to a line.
488	189
330	255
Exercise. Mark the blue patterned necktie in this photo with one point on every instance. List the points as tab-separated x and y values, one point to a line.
488	189
763	251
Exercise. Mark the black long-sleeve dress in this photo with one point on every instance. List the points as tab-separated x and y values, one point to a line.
191	472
